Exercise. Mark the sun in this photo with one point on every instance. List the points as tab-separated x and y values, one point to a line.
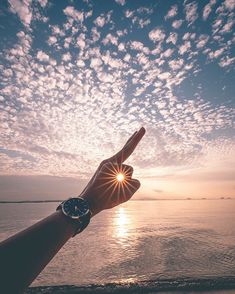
120	177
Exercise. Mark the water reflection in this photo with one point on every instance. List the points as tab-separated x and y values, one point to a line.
140	240
122	223
124	233
123	229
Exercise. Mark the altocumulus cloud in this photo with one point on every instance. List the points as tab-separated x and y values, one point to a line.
77	78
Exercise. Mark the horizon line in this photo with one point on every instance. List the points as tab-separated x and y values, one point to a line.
140	199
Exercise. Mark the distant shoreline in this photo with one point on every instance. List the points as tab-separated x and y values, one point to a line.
30	201
162	199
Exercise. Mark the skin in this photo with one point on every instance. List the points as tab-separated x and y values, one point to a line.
103	191
24	255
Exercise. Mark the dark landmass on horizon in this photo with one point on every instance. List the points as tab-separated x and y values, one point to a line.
140	199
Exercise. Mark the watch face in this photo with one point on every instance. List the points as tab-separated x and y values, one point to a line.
75	207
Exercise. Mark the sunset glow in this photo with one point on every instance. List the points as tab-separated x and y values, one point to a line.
78	78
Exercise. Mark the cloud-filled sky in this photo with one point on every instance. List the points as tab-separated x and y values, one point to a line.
78	77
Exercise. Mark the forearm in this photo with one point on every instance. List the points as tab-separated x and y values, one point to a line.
24	255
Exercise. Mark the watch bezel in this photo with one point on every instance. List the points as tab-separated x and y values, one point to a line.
72	216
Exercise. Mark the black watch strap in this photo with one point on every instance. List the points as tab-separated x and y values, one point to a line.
84	222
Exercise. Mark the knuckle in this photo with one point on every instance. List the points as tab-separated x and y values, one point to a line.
128	169
138	184
107	165
103	162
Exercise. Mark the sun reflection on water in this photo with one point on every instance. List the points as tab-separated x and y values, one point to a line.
122	224
126	238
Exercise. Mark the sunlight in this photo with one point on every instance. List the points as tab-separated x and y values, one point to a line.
122	224
120	177
115	180
122	219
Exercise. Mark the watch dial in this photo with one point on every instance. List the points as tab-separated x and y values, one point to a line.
75	207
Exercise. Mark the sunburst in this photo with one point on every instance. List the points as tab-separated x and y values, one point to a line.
120	177
116	180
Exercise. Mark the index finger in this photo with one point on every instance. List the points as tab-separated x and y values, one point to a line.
129	147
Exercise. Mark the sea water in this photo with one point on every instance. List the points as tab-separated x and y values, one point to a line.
166	241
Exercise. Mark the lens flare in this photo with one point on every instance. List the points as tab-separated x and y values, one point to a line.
115	180
120	177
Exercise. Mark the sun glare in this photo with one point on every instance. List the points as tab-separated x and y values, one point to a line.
120	177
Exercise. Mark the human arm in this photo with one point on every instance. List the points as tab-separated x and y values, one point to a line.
24	255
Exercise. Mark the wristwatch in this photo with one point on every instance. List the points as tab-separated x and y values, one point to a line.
77	209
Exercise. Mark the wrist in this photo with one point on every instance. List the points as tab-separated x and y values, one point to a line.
68	224
91	203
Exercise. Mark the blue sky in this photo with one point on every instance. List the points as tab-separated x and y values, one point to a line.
78	77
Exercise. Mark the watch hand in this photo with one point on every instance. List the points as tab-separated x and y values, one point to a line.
77	209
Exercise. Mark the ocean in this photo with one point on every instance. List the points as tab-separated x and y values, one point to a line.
163	245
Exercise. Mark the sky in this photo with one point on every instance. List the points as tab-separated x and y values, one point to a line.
77	78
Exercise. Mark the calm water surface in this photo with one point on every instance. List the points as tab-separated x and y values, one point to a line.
140	240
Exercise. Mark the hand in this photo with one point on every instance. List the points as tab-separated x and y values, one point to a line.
104	189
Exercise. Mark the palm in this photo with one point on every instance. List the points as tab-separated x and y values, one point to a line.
104	190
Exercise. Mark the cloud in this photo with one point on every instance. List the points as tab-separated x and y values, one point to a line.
96	62
81	41
167	53
42	56
136	45
121	47
184	47
229	4
177	23
129	13
202	40
43	3
226	61
66	57
100	21
157	35
110	39
172	12
216	53
22	9
70	11
158	190
176	64
172	38
121	2
71	101
228	27
208	8
52	40
191	12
